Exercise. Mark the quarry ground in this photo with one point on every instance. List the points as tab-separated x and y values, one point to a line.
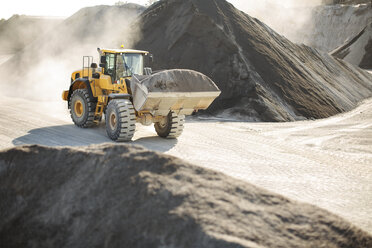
326	162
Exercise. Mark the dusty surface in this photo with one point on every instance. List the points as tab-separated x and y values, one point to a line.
127	196
262	75
326	162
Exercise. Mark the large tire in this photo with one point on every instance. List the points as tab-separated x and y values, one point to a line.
171	126
82	108
120	120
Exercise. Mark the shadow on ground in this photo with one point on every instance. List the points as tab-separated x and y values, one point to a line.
70	135
156	143
63	135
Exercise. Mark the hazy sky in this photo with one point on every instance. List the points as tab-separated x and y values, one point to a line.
66	8
62	8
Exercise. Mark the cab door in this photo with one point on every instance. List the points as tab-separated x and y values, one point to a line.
110	67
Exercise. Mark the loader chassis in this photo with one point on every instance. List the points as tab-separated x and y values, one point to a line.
107	90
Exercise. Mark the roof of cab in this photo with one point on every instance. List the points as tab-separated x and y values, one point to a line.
107	50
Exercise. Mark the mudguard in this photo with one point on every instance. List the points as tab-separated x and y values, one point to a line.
87	84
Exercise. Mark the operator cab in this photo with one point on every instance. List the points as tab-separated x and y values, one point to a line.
122	63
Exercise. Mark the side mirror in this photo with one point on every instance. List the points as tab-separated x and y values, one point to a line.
93	65
103	59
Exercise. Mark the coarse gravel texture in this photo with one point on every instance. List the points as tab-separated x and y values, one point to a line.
126	196
262	75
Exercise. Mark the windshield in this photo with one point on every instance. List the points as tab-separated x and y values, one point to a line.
129	64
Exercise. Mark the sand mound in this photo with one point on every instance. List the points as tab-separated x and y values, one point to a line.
262	75
358	50
126	196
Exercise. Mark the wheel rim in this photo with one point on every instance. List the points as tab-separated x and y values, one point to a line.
113	121
79	109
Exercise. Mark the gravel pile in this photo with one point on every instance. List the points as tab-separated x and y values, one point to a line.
126	196
262	75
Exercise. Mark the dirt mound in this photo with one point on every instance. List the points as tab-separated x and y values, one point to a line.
126	196
358	50
20	30
261	74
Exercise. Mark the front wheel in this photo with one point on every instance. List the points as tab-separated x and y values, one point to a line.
82	108
171	126
120	120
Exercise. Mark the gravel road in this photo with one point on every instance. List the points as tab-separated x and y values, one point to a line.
326	162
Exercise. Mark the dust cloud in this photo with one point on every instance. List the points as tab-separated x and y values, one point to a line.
286	17
42	70
20	30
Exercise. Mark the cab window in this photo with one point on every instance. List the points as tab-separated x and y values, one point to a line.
110	64
133	63
120	67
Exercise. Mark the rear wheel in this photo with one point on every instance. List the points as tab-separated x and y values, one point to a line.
170	126
120	120
82	108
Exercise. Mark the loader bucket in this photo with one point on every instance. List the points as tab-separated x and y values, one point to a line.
182	91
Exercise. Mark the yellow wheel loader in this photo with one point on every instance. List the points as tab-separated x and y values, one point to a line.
126	92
